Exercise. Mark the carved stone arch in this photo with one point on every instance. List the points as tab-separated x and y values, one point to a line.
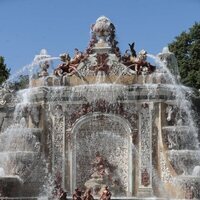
99	115
109	134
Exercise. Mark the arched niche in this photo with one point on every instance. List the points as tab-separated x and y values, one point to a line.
111	136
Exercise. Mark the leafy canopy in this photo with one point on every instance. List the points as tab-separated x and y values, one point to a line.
186	48
4	71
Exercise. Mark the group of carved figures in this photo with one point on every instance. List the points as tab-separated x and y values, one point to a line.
87	195
69	65
100	166
137	63
100	169
130	59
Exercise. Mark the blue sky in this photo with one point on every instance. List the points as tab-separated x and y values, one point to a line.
26	26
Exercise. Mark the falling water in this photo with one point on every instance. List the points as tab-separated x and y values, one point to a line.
143	131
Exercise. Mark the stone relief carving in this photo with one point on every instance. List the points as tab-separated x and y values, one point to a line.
101	173
145	141
166	176
84	68
58	142
6	93
114	149
172	140
58	111
145	178
171	112
128	111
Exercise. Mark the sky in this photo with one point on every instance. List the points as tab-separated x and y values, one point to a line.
27	26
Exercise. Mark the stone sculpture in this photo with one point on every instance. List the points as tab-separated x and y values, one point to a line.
87	195
77	194
43	60
137	63
145	178
69	66
102	29
63	196
145	139
189	194
106	194
6	93
101	173
63	68
44	67
100	166
102	65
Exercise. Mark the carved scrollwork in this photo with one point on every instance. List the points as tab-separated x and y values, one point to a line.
58	142
145	136
121	152
166	176
116	149
6	94
145	142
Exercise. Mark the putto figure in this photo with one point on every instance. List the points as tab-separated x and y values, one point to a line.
100	166
87	195
137	63
77	194
68	67
106	194
64	67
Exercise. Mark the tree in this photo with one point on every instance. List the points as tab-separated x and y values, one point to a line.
4	71
186	48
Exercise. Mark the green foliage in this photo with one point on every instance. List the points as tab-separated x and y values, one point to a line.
186	48
4	71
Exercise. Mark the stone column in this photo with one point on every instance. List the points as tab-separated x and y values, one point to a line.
58	145
145	151
68	157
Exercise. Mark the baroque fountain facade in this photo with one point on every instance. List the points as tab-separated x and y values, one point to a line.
101	119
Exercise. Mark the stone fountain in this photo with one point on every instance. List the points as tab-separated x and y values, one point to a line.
102	118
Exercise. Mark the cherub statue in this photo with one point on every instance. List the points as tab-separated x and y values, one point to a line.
87	195
77	195
100	166
68	67
141	65
78	57
106	194
63	68
44	67
102	173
